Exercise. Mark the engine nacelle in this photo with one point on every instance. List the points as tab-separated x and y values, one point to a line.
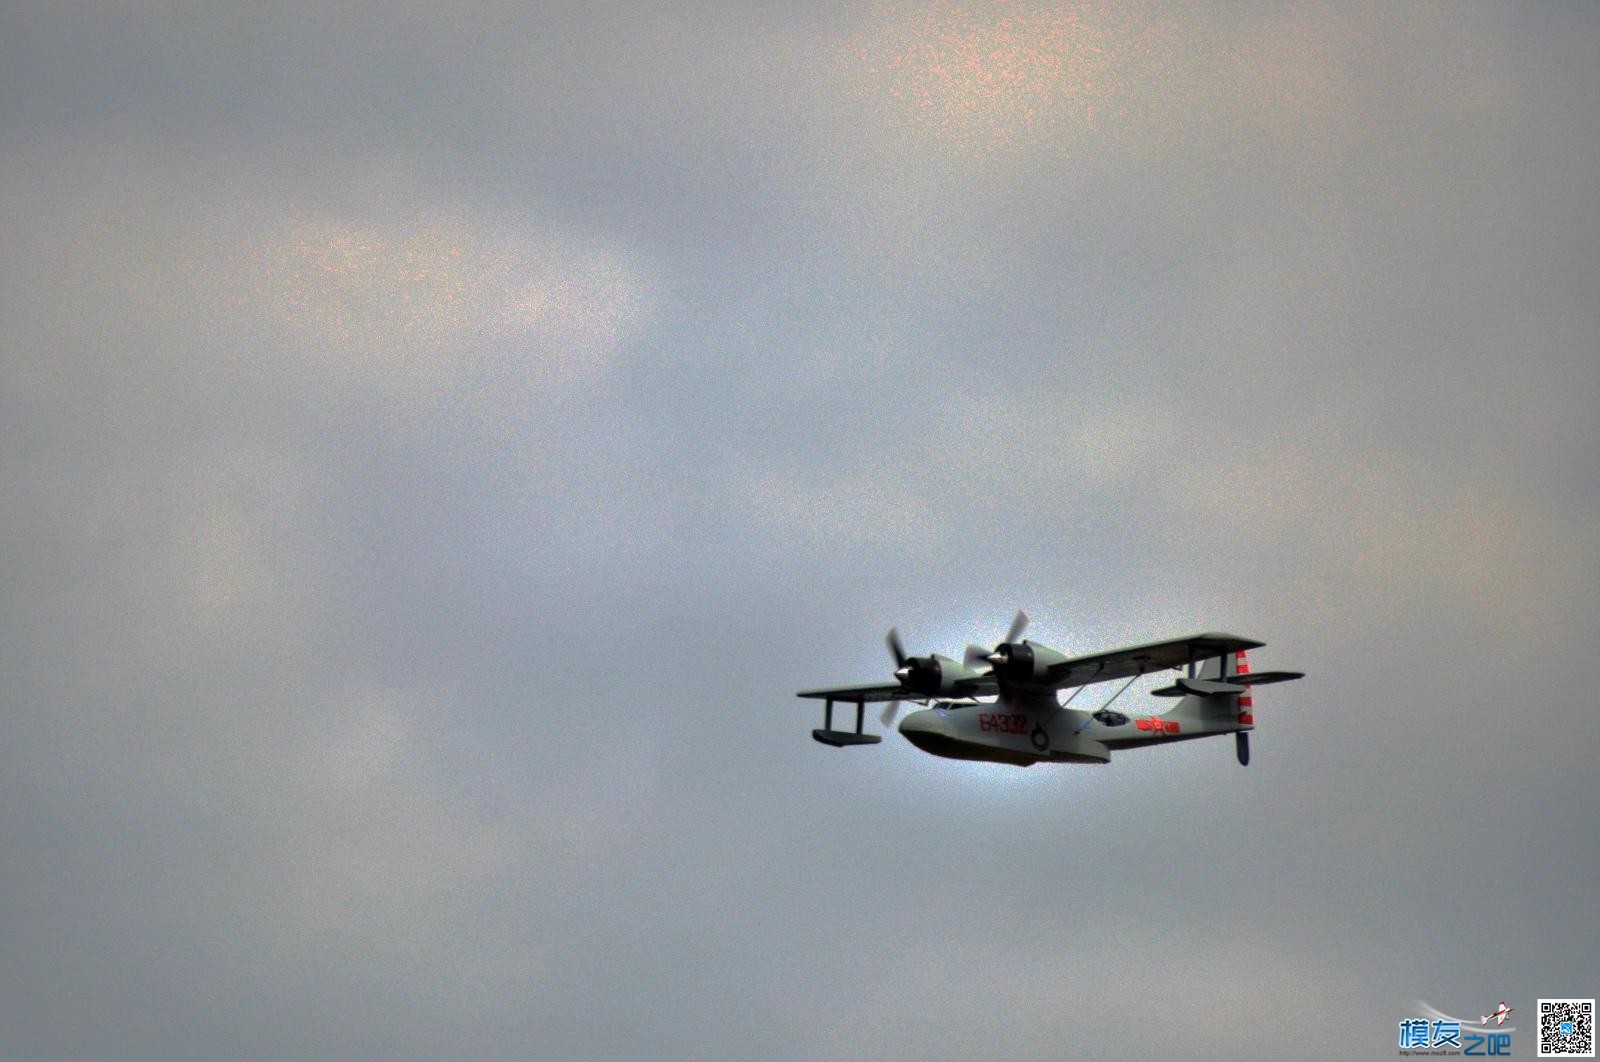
933	675
1025	661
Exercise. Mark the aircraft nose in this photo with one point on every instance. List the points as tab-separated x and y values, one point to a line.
922	727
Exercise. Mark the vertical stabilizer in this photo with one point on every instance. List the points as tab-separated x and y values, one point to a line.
1223	711
1216	707
1247	712
1247	700
1220	698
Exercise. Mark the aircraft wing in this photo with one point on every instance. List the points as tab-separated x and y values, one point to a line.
1143	659
983	687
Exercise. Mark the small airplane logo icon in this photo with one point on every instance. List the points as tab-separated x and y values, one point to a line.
1499	1016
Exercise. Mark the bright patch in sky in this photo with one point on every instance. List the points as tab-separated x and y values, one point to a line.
437	313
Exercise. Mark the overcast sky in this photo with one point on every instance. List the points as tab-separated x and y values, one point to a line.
438	441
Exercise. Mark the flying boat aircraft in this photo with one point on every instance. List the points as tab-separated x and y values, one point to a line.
1025	723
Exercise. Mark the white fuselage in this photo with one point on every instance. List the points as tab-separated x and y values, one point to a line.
1003	733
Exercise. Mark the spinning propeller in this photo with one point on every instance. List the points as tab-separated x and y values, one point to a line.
1017	661
977	655
932	675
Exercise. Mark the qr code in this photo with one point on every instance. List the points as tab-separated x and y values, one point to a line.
1566	1028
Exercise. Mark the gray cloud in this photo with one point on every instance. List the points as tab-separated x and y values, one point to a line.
437	445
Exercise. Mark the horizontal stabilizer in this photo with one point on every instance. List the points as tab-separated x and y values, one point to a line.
840	738
1200	687
1263	678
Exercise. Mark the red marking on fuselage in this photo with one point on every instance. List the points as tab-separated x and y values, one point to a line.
1157	726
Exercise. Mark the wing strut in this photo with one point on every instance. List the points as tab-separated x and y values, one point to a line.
1121	691
840	738
1104	714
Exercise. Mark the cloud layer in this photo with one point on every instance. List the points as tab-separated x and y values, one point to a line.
437	445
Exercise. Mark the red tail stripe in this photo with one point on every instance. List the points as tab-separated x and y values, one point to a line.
1247	699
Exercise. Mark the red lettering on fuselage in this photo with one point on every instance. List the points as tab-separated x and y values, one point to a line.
1005	724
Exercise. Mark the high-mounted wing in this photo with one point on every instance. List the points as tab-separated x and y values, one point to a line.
983	687
1075	671
1143	659
853	694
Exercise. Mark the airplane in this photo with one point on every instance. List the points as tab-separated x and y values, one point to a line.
1025	723
1500	1015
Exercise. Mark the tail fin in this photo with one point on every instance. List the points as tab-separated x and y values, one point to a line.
1233	707
1225	708
1247	700
1224	690
1224	696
